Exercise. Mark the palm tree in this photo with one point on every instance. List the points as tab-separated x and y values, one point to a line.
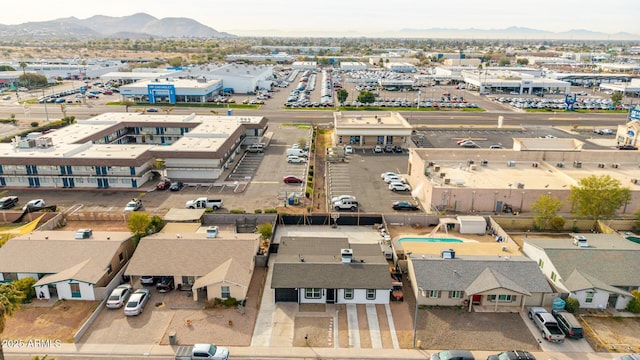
10	299
23	65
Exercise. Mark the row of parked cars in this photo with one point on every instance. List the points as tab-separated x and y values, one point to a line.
9	202
134	301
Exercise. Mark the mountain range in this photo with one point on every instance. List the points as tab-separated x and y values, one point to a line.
142	25
139	25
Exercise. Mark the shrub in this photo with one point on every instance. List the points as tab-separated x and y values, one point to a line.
571	305
557	222
270	211
257	211
237	211
265	230
34	124
26	286
310	172
634	305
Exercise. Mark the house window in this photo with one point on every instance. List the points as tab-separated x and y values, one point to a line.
348	294
225	292
502	298
121	257
75	290
554	276
589	298
371	294
434	293
109	269
541	263
455	294
312	293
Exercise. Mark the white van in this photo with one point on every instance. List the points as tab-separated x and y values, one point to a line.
296	152
295	159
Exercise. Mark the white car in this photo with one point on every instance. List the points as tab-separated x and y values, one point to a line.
133	205
136	302
348	149
393	178
295	159
36	203
377	149
398	186
342	197
385	174
119	296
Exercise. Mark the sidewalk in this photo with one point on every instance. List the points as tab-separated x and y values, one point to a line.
255	352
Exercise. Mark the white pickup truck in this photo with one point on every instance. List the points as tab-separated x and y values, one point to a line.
202	351
204	203
547	324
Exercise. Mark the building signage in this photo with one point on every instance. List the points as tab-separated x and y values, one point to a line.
161	93
634	114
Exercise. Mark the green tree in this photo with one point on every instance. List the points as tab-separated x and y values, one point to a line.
342	95
175	61
32	79
522	61
634	304
544	209
138	224
504	62
25	285
10	299
23	66
265	230
616	97
127	103
598	197
366	97
6	68
571	305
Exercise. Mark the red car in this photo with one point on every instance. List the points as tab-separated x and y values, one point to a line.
163	185
292	180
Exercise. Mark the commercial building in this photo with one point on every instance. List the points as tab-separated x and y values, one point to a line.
401	67
242	78
172	90
370	129
353	66
304	65
279	57
520	80
487	180
120	150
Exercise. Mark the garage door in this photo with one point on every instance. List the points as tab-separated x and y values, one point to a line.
287	295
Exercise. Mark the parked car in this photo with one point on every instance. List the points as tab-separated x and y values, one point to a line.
342	197
393	178
404	205
136	302
348	149
152	110
568	324
165	284
496	146
628	357
293	159
133	205
8	202
389	148
452	355
346	204
627	147
385	174
119	296
603	131
36	203
462	140
377	149
163	185
398	149
176	186
399	186
469	144
291	180
512	355
148	280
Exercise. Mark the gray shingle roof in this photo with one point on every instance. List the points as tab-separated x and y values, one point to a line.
580	281
323	267
518	273
613	267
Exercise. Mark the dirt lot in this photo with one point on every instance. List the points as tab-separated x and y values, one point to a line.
609	333
57	322
440	328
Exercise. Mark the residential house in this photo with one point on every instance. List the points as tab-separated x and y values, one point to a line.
600	270
478	281
66	264
211	267
330	270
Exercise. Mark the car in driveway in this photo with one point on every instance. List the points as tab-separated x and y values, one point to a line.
512	355
626	147
35	203
452	355
399	186
176	186
165	284
290	179
119	296
136	302
148	280
404	205
133	205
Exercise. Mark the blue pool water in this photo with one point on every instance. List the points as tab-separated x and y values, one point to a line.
428	239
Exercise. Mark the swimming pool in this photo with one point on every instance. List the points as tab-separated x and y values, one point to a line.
428	240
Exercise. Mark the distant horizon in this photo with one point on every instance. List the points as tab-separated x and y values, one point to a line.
357	18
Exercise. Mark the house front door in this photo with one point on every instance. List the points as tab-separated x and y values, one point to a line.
477	299
331	296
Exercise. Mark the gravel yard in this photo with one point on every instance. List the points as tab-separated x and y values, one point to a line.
440	328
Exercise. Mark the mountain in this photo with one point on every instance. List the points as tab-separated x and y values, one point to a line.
514	32
138	25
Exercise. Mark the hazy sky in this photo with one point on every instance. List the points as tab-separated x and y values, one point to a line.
351	17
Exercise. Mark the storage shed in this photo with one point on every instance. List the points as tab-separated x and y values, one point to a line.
472	224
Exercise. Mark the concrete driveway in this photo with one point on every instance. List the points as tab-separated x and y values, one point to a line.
569	345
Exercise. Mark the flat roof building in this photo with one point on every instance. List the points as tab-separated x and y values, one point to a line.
172	90
369	129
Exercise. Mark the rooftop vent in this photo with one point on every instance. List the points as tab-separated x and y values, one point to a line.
212	232
580	241
346	255
84	234
535	164
615	165
511	163
520	185
601	165
577	164
448	254
560	165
